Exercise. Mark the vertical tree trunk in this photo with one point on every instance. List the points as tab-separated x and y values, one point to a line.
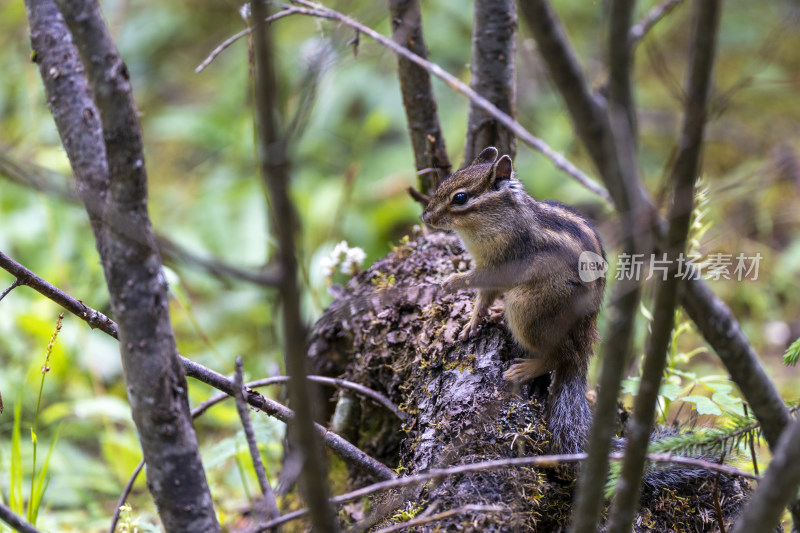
494	34
418	99
104	145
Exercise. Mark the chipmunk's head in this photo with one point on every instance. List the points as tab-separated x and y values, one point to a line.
472	196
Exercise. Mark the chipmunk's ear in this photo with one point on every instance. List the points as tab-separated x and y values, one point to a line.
501	172
487	156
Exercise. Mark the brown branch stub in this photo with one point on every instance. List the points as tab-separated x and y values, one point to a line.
418	98
494	35
421	199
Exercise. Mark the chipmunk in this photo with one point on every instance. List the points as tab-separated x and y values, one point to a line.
529	251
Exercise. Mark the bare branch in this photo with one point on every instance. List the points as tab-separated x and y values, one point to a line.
540	461
684	174
10	288
204	406
620	65
464	509
343	383
419	101
9	517
617	350
176	254
288	10
346	451
560	162
173	253
338	445
640	29
250	436
711	315
778	486
95	319
274	164
494	34
126	490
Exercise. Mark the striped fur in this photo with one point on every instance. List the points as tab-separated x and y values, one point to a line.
528	251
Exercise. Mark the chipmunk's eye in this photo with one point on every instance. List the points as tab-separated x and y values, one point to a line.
460	198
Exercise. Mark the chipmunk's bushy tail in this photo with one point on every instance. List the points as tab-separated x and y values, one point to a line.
569	416
569	419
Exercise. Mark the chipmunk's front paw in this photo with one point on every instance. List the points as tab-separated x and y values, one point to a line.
524	370
455	282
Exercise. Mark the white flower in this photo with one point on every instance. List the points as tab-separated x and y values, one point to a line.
353	259
348	259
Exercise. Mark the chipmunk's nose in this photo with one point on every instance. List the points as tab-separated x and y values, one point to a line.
426	216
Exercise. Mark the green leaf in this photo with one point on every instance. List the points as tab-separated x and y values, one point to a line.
792	354
728	403
703	405
670	391
631	385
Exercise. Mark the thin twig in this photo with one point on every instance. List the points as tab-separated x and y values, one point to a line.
560	162
58	186
541	461
444	514
349	453
457	85
288	10
640	29
126	490
343	383
250	436
717	506
10	288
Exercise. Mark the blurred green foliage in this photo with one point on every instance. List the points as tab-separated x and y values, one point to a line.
351	161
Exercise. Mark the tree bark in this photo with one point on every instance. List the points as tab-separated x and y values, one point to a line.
103	141
494	46
430	154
